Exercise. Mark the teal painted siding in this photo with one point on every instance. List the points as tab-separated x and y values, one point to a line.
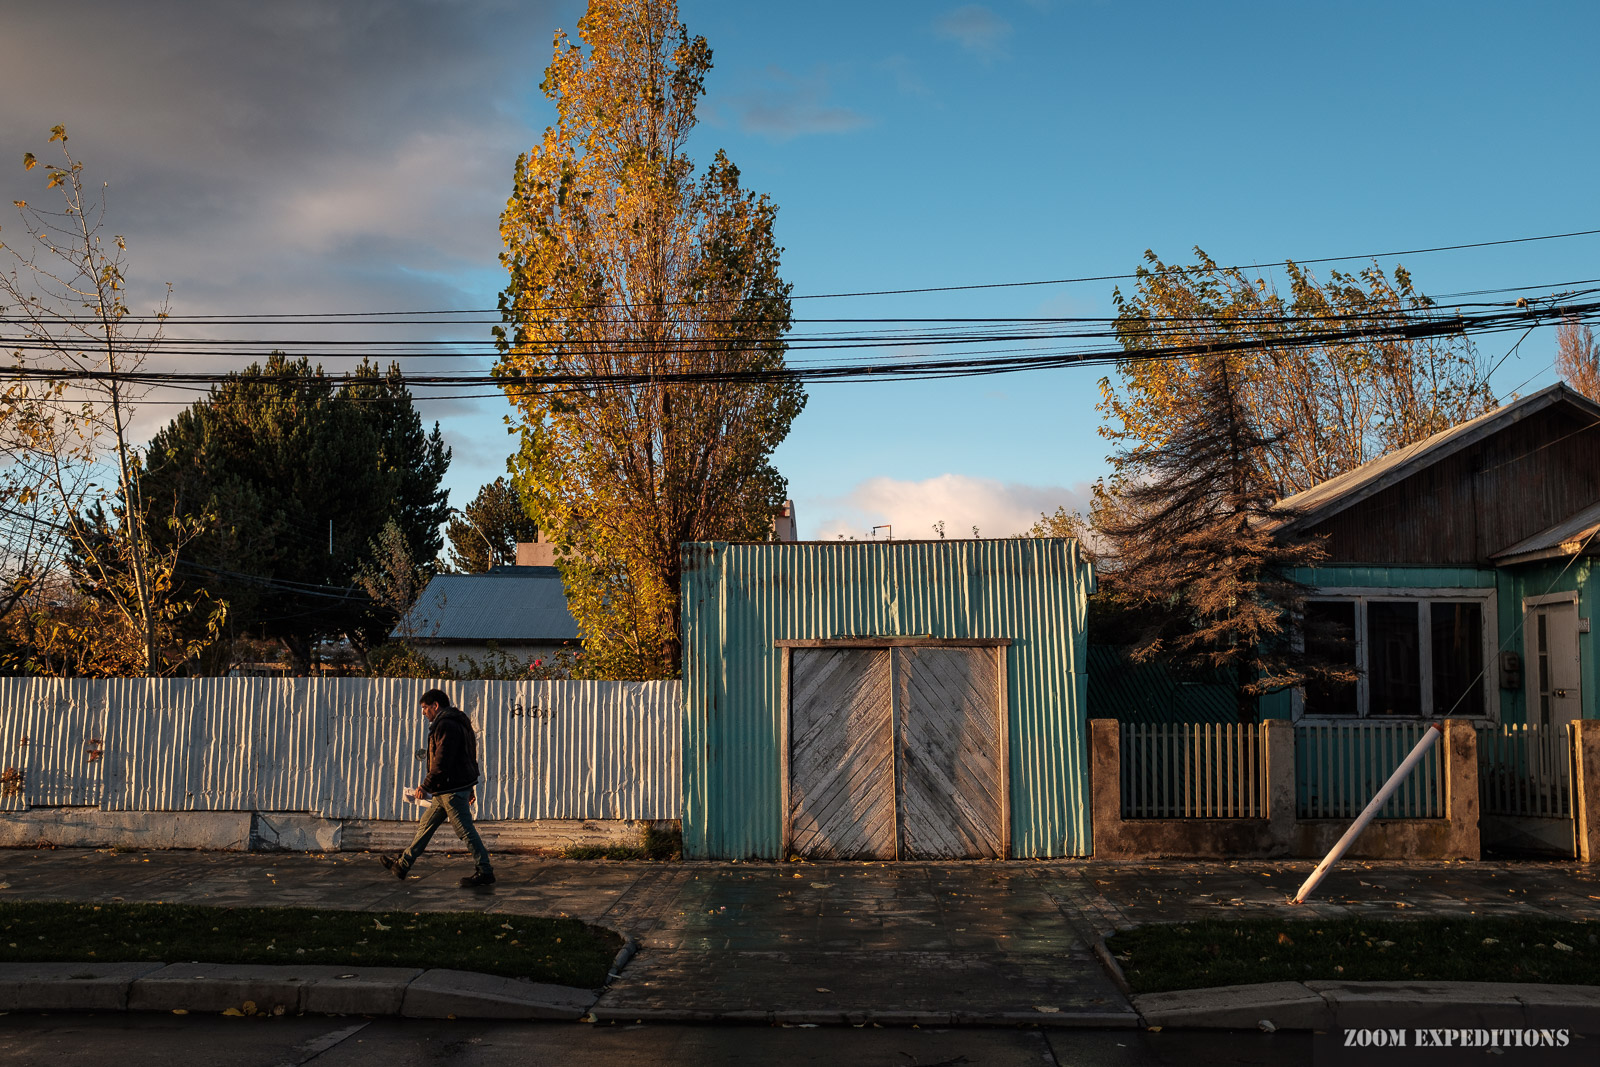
1540	579
1347	575
738	599
1511	585
1351	576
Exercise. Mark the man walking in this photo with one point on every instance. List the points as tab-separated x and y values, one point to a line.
452	774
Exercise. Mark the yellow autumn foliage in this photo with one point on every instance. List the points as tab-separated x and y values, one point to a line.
626	270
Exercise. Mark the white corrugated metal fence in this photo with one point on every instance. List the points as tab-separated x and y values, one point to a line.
342	748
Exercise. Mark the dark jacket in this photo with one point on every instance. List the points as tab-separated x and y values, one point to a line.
452	753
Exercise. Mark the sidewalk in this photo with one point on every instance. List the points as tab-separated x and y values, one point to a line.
975	943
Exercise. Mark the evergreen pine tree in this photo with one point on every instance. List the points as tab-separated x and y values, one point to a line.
1196	554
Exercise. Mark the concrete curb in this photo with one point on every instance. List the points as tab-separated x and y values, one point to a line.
267	989
444	994
1096	1020
1320	1005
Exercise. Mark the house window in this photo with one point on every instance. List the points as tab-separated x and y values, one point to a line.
1417	652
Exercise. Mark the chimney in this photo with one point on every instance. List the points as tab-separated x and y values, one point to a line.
536	553
783	526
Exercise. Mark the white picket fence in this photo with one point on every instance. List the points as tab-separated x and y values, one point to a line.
1526	770
342	748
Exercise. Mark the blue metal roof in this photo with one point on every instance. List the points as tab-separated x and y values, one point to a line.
506	604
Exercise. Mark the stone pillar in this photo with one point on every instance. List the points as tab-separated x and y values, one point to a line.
1460	764
1586	788
1105	786
1277	745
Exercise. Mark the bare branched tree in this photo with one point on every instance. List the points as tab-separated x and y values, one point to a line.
77	346
1578	357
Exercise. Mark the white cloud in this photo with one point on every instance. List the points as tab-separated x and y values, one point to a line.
975	28
785	106
906	78
997	509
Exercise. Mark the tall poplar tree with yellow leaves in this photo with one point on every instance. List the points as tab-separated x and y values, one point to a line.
628	269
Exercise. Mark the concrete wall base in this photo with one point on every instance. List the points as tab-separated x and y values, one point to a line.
284	831
1383	839
240	831
93	828
534	835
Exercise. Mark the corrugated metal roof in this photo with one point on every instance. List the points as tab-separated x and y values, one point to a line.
506	604
1571	535
1334	495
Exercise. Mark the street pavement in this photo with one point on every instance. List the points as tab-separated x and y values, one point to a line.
214	1041
843	943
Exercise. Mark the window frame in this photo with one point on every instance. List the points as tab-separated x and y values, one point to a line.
1488	602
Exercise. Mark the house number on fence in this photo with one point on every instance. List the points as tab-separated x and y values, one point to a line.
532	711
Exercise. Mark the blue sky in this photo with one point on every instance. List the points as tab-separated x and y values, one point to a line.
317	157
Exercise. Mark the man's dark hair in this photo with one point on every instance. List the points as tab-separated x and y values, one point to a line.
436	696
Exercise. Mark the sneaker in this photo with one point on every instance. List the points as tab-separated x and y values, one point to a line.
477	878
394	867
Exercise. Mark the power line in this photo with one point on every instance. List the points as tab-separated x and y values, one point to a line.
1420	326
347	315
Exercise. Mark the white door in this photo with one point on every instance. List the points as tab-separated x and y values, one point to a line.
1554	696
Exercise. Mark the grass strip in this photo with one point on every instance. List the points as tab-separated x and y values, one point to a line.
1196	955
562	951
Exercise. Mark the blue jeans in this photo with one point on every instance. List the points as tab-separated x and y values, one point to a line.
452	806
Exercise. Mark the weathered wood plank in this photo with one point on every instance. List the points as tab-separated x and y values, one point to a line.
950	778
841	761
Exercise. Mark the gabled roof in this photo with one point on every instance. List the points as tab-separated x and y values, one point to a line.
1326	499
506	604
1572	535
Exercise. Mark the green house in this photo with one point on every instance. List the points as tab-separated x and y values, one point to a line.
1463	566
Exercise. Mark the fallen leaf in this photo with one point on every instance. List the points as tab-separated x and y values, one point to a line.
1562	946
819	885
233	1012
376	925
1046	1009
180	1011
823	989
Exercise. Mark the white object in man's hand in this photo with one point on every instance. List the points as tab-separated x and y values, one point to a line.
418	795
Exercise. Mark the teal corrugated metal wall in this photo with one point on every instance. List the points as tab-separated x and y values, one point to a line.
740	598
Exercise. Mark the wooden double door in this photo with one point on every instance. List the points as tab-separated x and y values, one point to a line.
898	752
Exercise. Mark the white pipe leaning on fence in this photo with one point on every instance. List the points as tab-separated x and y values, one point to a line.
1429	737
